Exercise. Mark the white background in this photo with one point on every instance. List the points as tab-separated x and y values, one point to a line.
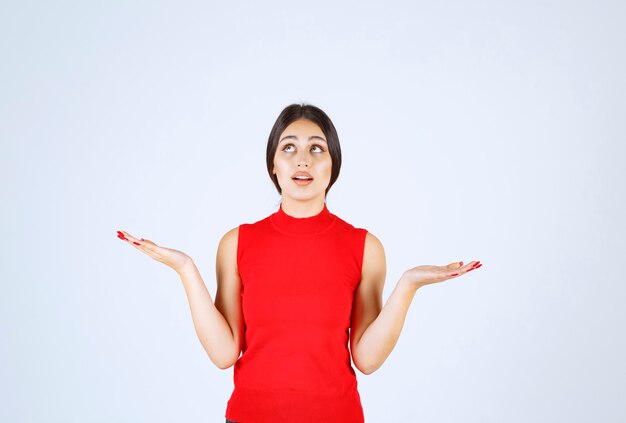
480	130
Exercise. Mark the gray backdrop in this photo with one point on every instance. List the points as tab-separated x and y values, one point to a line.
481	130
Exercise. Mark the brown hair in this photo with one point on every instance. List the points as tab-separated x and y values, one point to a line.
316	115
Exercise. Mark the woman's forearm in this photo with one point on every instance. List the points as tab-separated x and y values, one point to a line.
381	336
211	327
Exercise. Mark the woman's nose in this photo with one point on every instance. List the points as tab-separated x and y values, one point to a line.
303	160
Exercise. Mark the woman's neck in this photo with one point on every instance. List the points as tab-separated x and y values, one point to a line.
299	208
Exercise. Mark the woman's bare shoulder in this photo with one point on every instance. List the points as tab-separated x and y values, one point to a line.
231	235
228	243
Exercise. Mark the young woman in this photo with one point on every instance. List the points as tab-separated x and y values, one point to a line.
295	288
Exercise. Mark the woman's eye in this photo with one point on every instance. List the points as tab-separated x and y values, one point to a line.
320	150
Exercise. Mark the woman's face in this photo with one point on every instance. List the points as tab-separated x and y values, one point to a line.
302	148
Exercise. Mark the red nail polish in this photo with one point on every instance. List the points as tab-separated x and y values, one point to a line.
136	243
475	267
454	274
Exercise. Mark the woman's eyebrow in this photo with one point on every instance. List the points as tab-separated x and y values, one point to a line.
295	138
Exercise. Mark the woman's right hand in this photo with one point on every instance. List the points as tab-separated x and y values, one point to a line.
175	259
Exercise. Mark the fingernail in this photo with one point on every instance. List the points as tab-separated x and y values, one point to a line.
122	237
460	263
474	268
136	243
454	274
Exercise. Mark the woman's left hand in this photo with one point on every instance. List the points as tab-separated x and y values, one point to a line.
426	274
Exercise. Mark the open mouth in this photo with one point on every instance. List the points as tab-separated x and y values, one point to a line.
301	180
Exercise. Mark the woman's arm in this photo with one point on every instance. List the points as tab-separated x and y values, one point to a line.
376	329
219	326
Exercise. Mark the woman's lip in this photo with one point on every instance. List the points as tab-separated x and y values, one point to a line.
302	181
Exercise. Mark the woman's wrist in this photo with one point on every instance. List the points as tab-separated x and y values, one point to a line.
408	281
186	267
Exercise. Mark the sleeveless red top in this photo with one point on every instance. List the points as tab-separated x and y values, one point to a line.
298	278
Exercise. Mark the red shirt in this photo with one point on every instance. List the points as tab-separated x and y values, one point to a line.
298	278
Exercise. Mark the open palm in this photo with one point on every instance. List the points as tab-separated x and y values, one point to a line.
427	274
172	258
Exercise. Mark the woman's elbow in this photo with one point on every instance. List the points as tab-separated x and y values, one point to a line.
224	366
225	362
365	368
